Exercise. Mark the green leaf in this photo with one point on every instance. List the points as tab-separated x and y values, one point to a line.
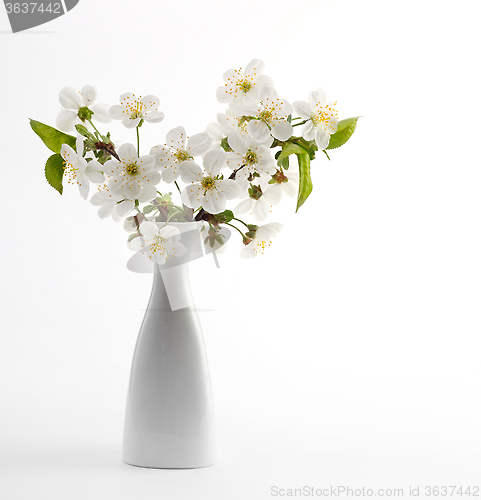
83	131
52	137
345	128
289	149
147	209
284	163
305	182
224	217
54	172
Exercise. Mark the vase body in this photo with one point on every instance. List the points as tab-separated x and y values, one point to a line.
169	420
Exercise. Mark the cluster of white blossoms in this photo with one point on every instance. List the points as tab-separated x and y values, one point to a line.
239	165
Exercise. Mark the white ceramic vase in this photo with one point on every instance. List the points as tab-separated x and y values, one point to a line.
169	420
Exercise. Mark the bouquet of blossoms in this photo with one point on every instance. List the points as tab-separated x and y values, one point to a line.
241	161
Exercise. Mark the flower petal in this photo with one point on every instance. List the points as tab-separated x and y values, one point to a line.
191	196
66	120
154	117
136	244
147	161
67	153
268	231
127	153
191	172
169	231
70	98
281	129
94	172
214	131
261	209
79	144
214	202
105	210
150	102
229	188
263	81
170	174
255	67
214	161
224	94
244	206
302	108
272	195
101	113
151	177
269	93
258	130
84	187
308	131
89	94
117	112
112	167
317	97
148	193
322	138
234	160
124	208
198	144
131	123
149	229
237	144
176	138
248	252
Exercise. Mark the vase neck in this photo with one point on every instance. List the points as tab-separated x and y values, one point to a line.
171	288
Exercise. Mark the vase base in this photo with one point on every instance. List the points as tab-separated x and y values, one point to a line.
169	468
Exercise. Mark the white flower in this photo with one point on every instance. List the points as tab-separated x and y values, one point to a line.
231	122
261	240
78	170
227	124
271	117
322	118
244	86
285	182
132	110
251	156
107	202
130	224
178	150
216	134
116	205
72	101
260	203
206	188
158	243
132	177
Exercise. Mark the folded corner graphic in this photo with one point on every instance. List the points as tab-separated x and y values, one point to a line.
23	16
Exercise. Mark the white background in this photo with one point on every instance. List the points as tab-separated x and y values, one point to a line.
347	355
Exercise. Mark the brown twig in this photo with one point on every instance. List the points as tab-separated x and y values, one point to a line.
109	148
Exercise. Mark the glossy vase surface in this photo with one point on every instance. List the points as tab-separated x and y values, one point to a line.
169	420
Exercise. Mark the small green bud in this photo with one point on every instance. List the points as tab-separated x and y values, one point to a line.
255	192
225	145
85	113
